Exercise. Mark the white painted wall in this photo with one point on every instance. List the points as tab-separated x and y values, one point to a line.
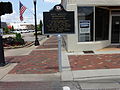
98	2
72	43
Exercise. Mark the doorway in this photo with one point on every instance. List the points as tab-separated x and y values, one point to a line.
115	33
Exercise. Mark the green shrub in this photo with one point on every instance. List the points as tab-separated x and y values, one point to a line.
6	30
19	39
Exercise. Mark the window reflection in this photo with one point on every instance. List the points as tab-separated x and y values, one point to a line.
85	15
101	24
85	18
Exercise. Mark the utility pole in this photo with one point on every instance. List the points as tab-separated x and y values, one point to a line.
5	8
2	59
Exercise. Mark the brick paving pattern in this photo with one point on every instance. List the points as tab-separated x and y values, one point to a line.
43	61
37	62
52	42
90	62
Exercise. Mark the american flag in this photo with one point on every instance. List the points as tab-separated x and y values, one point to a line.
22	10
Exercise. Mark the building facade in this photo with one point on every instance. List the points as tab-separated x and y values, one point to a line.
3	24
97	24
22	26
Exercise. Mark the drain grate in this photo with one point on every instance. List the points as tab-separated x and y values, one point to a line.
88	52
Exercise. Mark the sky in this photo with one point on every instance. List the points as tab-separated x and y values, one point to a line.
42	6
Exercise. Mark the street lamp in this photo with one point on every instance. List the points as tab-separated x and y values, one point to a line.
36	39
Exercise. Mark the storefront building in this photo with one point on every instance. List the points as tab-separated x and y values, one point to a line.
97	24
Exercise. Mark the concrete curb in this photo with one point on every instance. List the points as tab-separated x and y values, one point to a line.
15	47
31	77
82	75
66	74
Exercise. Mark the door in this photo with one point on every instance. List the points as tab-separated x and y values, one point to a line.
115	34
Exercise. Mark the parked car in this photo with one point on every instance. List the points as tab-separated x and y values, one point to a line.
17	31
31	30
24	31
20	31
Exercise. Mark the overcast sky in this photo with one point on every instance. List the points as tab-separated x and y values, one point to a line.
42	6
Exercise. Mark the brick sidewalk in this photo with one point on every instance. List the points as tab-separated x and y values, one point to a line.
50	43
90	62
42	60
38	61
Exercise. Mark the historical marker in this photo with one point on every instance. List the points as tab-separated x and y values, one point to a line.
58	21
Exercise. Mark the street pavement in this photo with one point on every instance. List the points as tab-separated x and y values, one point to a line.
57	85
30	86
30	37
39	65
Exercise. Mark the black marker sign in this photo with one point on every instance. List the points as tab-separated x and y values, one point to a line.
58	21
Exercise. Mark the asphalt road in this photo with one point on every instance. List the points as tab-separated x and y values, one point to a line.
27	36
50	85
31	37
56	85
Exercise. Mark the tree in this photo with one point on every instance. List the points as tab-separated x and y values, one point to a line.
6	30
12	29
39	27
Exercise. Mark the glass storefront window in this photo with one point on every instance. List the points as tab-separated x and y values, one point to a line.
101	24
85	21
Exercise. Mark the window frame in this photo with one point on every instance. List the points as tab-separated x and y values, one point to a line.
94	24
93	33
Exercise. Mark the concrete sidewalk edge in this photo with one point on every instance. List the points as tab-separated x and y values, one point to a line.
31	77
96	74
5	69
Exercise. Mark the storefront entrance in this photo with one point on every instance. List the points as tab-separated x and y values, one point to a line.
115	33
